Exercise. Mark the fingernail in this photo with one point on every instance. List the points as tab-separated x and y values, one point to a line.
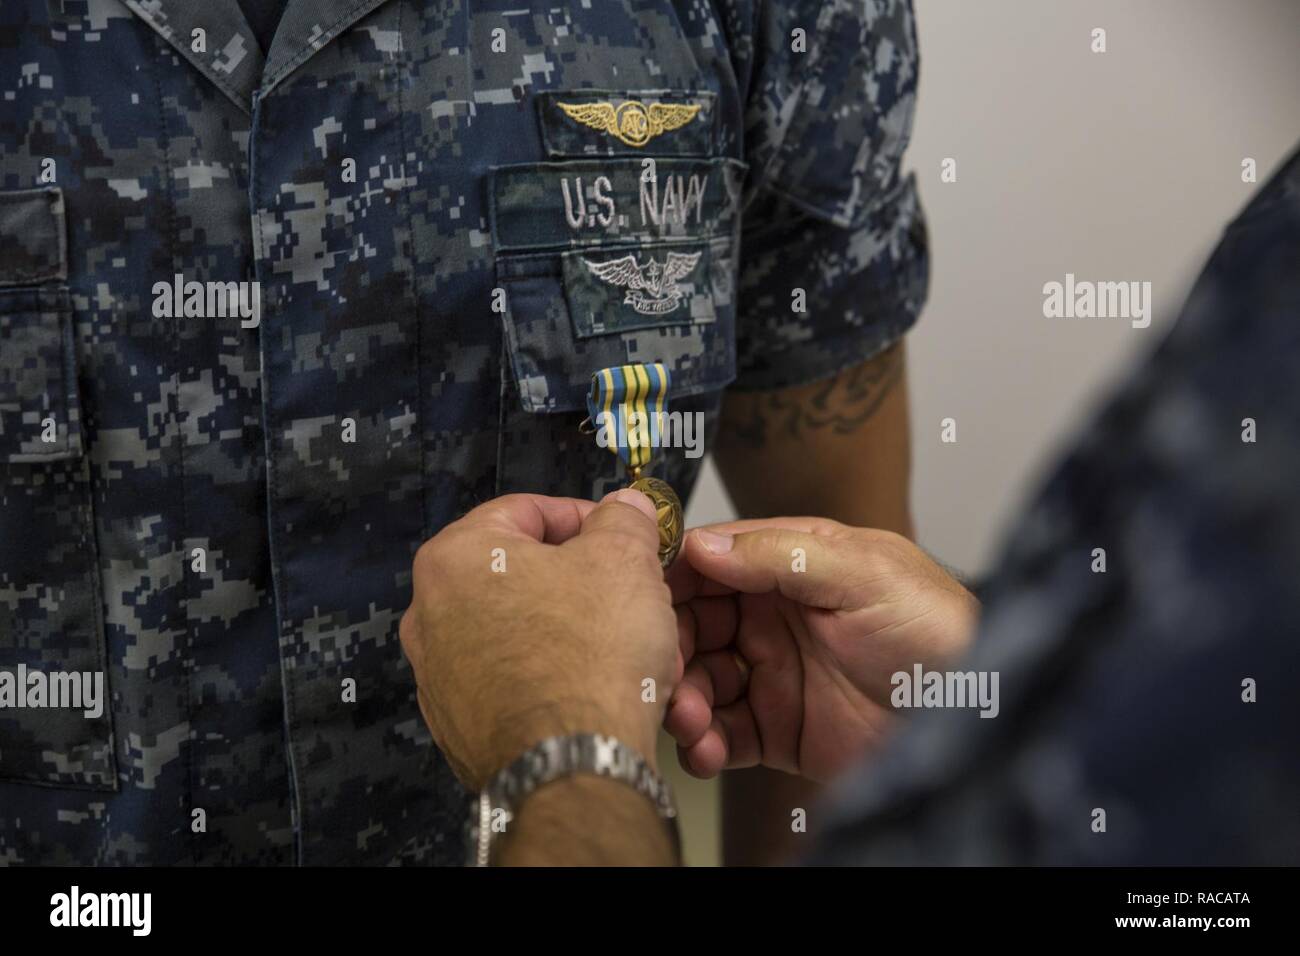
630	496
715	542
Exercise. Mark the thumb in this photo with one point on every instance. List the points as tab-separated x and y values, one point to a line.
624	519
813	569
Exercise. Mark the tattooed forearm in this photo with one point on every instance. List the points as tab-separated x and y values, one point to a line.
841	404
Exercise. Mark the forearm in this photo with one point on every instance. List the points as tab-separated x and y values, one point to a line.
837	449
587	820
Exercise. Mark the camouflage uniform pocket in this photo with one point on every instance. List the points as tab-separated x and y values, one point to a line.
565	319
616	260
570	315
621	259
55	724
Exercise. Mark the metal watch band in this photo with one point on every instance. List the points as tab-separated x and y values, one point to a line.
552	759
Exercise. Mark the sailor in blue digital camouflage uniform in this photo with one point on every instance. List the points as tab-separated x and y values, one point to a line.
286	287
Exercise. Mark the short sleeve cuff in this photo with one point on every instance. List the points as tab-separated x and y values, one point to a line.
817	298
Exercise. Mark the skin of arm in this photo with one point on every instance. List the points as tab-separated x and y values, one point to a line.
841	449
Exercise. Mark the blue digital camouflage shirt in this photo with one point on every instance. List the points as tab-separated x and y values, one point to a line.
1150	713
218	512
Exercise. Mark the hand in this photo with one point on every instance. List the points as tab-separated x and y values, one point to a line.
554	633
791	669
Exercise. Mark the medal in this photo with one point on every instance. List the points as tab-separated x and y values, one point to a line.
626	407
668	509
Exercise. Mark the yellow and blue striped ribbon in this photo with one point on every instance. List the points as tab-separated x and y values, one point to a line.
621	392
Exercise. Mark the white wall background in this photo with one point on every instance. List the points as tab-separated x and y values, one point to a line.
1124	165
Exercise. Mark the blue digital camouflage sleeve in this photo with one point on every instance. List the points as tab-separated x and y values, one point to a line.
1159	692
834	262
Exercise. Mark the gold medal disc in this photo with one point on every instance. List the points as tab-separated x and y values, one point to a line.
668	507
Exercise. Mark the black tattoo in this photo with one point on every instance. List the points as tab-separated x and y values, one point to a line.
842	404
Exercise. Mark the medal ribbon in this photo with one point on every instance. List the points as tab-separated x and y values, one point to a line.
628	402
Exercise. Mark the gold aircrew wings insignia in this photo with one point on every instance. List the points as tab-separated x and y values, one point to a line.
632	122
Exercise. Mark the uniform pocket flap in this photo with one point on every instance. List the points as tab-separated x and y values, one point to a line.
668	303
33	237
638	289
40	417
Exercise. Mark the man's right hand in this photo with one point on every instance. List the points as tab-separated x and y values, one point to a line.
794	627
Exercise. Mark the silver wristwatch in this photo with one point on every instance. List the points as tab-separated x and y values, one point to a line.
495	808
